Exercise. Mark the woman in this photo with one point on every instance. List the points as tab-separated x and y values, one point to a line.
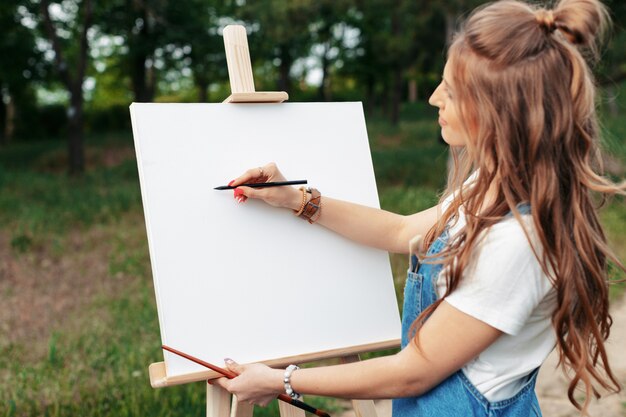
514	260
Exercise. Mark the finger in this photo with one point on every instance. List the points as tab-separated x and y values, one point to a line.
249	192
246	177
239	195
220	382
233	366
252	175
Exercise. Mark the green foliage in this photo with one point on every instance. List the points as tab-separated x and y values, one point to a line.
409	154
36	197
21	243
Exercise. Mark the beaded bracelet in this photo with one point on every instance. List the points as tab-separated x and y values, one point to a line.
299	212
287	380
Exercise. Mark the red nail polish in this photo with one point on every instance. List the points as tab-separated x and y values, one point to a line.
231	183
238	192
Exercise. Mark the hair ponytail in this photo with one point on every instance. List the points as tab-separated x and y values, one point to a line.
584	20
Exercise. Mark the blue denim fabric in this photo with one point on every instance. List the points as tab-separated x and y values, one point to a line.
455	396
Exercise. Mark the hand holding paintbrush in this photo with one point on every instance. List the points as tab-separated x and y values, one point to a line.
268	184
231	375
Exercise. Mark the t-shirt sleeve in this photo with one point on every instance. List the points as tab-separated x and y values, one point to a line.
504	283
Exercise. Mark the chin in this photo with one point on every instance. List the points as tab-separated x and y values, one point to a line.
452	140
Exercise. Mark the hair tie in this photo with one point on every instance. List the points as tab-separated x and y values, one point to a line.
545	18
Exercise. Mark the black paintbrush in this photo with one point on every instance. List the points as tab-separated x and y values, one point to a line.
261	184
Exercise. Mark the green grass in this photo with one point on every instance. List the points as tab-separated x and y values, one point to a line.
95	364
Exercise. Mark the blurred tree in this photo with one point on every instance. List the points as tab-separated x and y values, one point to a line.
193	27
67	33
279	33
397	40
612	70
18	72
142	25
327	28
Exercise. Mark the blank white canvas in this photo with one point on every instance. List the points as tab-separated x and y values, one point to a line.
249	281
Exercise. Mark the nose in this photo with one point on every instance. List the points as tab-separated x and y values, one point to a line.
435	99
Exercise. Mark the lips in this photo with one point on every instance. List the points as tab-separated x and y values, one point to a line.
442	122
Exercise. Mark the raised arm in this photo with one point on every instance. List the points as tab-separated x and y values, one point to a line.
366	225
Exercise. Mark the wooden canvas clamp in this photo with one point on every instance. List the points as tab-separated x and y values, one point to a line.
240	70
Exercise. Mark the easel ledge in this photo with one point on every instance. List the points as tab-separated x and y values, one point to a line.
159	378
258	97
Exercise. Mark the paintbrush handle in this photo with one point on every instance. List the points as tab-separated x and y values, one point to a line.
304	406
262	184
230	375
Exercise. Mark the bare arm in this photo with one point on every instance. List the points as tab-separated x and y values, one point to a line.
366	225
448	340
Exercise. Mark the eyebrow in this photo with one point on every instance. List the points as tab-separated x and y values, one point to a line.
447	84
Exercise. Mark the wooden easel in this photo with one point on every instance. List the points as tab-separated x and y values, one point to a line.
219	402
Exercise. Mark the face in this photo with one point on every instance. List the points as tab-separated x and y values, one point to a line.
444	98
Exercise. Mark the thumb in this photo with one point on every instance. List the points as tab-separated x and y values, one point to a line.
248	192
233	366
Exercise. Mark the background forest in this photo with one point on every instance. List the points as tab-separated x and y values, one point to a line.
78	322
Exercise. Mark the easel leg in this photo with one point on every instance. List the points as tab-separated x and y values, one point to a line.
217	401
241	409
288	410
362	408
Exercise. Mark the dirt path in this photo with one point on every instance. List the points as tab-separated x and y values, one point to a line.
552	385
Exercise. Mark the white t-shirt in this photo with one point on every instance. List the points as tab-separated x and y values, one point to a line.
506	288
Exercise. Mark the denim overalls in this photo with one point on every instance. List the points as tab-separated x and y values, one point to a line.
455	396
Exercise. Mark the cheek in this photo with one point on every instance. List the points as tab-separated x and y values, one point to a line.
454	134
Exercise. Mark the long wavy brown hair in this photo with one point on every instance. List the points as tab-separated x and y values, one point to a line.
526	95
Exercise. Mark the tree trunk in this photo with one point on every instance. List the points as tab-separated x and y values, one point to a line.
73	83
76	146
138	77
369	96
412	91
142	78
142	65
451	18
322	90
396	95
284	81
9	127
3	118
396	69
203	94
385	98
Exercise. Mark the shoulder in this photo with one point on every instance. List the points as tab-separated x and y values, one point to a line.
515	238
504	281
505	252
